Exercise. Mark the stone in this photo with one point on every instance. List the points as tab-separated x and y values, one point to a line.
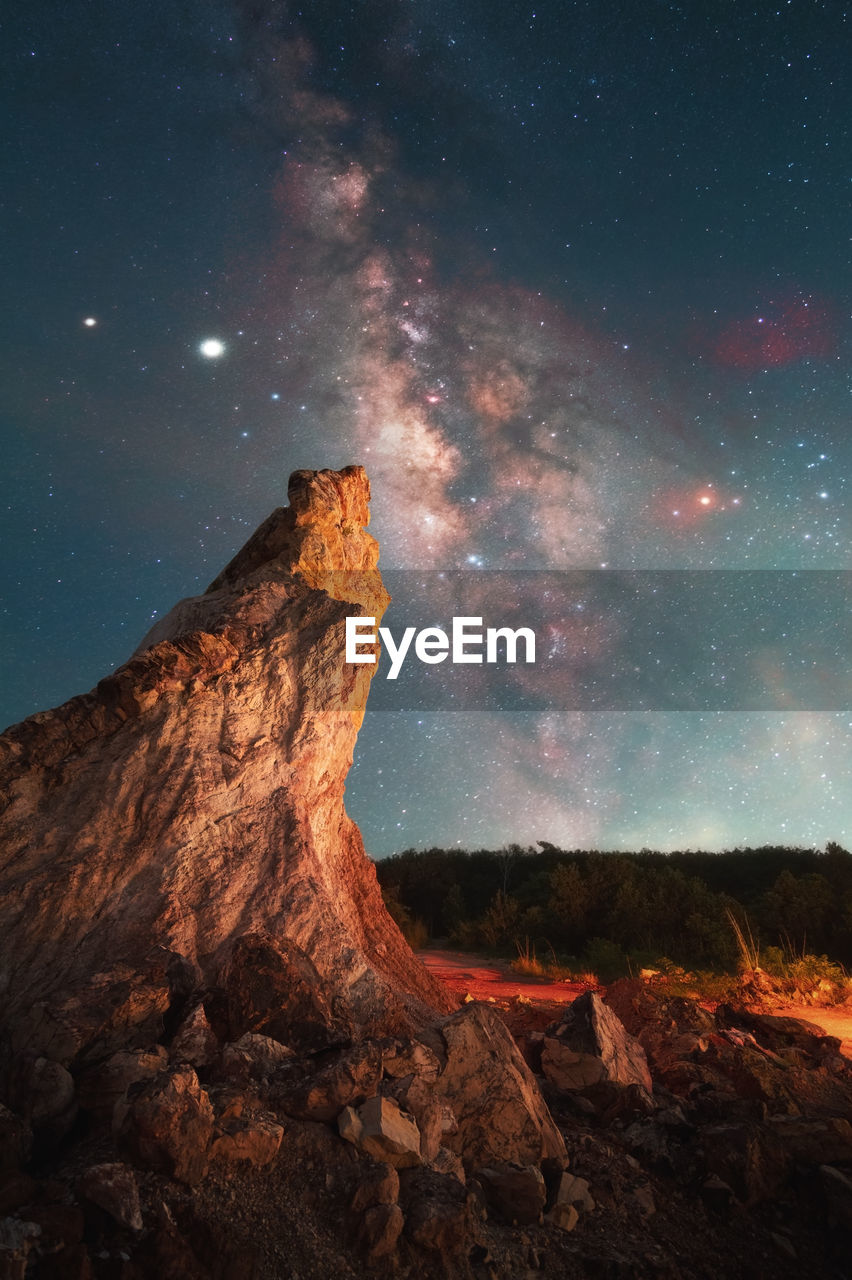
167	1124
563	1216
379	1185
813	1142
380	1229
42	1091
272	988
749	1158
254	1057
497	1104
439	1216
516	1192
348	1078
101	1086
121	1007
779	1033
591	1045
195	796
255	1139
113	1188
411	1057
434	1115
573	1190
436	1121
448	1163
380	1129
194	1042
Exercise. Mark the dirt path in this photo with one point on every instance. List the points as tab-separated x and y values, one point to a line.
486	978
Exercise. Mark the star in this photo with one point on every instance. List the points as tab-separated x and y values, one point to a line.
211	348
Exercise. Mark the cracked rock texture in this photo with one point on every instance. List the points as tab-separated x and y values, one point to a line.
195	796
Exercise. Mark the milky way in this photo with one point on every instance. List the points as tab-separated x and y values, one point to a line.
575	291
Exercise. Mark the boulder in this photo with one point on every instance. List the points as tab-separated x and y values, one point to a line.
42	1091
379	1231
254	1057
272	988
348	1078
748	1158
380	1129
167	1125
379	1185
516	1192
563	1216
813	1142
410	1057
575	1191
438	1217
494	1097
256	1139
194	1042
591	1046
113	1188
100	1087
117	1008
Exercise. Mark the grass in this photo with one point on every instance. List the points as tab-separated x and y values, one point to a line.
746	945
527	963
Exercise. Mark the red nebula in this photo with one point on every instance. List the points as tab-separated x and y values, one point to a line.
777	334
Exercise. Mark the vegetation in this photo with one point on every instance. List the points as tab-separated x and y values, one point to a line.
561	913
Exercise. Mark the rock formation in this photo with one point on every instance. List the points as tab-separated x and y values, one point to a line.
195	798
221	1061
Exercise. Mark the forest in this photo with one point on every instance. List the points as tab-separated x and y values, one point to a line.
614	913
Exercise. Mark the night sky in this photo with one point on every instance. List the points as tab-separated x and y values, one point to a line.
570	280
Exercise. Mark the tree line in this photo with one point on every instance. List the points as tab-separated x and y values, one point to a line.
644	905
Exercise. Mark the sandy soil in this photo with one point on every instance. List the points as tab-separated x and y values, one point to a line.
485	978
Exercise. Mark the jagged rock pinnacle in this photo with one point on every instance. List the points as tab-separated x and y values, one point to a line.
196	796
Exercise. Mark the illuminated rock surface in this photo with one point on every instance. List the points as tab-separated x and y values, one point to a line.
196	796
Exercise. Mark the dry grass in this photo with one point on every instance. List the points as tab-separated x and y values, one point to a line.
527	963
746	945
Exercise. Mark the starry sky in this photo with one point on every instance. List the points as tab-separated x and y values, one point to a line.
572	282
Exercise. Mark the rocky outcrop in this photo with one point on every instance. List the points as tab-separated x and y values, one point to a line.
196	797
590	1046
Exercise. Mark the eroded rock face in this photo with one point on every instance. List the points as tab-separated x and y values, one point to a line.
196	796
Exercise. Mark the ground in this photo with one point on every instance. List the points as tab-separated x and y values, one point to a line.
487	978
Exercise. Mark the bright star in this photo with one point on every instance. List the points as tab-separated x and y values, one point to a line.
211	348
90	322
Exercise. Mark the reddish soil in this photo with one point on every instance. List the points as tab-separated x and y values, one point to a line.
484	978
